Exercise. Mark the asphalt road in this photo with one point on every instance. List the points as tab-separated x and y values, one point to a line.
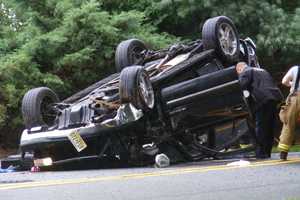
265	179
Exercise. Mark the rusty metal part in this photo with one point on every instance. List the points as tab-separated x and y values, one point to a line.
110	105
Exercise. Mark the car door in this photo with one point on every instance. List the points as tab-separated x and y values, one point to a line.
206	99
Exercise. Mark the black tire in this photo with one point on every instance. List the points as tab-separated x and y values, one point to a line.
128	53
226	47
135	87
35	105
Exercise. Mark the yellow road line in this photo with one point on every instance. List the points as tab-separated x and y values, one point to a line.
142	175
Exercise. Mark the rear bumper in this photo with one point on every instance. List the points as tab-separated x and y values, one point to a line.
31	140
127	116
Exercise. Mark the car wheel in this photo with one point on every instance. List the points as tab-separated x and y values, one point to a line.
129	53
36	109
136	88
219	33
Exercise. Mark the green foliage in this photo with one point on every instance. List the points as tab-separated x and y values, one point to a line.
65	45
271	23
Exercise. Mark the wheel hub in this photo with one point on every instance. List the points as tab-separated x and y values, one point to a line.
146	91
227	39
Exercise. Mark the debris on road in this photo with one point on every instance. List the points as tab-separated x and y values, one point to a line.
8	170
240	163
162	160
35	169
17	162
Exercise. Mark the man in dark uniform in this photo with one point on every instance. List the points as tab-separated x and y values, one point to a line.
265	96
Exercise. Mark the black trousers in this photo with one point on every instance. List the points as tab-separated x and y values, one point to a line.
265	118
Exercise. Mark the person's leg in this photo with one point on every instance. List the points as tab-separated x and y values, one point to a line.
260	120
287	132
270	124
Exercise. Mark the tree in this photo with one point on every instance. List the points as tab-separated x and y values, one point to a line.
65	45
268	22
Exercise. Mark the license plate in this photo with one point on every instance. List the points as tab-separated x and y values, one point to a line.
77	141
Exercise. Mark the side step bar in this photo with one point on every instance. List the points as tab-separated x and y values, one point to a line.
217	90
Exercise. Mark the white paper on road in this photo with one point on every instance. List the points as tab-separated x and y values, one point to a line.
240	163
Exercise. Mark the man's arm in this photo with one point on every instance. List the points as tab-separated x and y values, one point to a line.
245	79
288	78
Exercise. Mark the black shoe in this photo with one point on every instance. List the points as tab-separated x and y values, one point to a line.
283	155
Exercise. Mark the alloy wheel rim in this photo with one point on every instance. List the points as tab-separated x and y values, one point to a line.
227	39
146	91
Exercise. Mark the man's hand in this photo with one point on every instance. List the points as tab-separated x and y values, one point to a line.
287	80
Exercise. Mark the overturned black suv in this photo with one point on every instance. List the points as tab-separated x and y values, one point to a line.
185	99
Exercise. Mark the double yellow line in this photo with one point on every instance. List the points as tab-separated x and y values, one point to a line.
170	172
